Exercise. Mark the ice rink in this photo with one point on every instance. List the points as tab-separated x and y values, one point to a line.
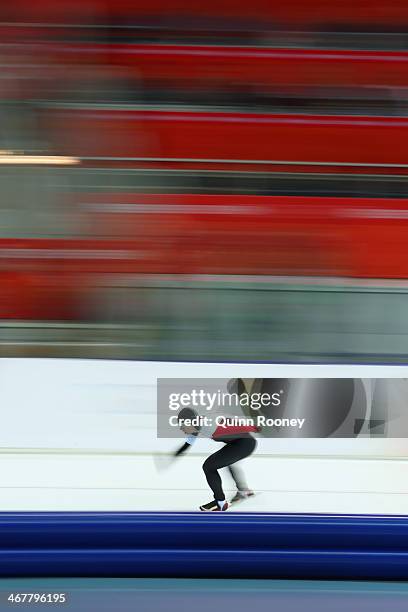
81	435
126	482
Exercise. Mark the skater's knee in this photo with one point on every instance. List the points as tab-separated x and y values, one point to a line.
208	466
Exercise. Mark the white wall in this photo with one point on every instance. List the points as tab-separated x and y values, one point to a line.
111	405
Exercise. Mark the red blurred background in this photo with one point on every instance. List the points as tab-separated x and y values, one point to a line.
224	138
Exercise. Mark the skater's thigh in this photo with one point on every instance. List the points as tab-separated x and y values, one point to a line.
243	447
230	453
220	459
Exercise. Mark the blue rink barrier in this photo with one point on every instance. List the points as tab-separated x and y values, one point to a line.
228	545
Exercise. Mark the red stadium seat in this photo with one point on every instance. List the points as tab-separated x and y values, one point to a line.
289	14
206	67
196	137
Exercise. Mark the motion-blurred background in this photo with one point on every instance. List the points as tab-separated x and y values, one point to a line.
223	180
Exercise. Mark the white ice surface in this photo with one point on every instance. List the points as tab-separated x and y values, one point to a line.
81	435
109	482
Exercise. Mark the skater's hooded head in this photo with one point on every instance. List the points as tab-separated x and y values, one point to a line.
188	420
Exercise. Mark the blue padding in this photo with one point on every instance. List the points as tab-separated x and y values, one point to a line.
204	545
205	564
203	530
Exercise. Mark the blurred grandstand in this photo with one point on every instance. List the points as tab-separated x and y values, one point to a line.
212	181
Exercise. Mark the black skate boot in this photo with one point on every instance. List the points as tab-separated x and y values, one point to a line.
213	506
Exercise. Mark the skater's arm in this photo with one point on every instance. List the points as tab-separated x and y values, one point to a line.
164	461
181	450
189	442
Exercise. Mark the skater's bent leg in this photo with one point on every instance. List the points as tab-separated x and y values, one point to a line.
238	477
231	453
246	446
210	467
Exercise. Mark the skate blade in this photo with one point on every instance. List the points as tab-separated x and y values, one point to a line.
242	499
